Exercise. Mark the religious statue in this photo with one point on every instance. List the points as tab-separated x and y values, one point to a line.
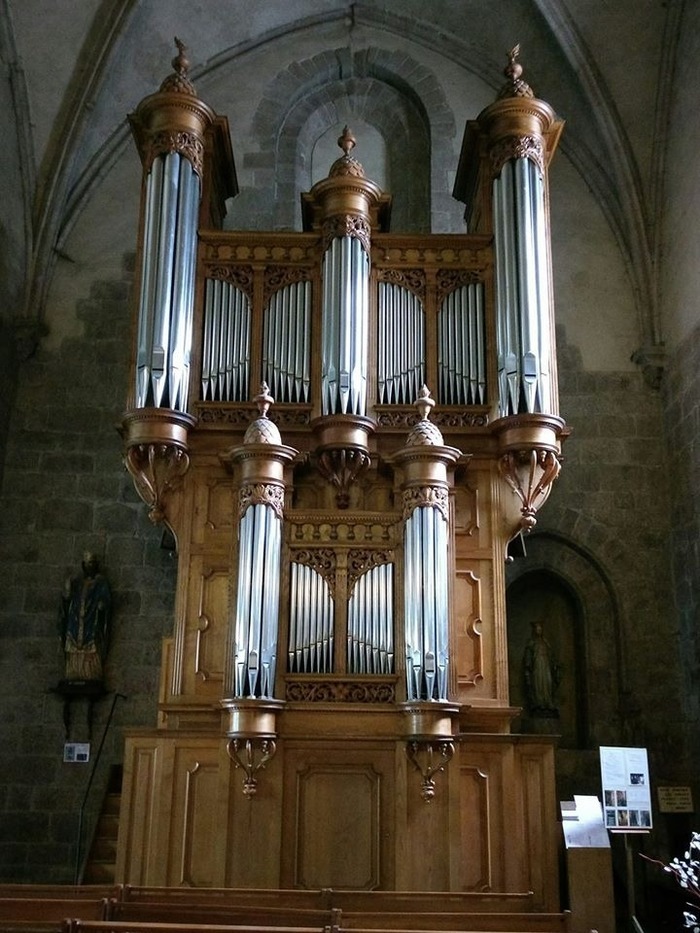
542	674
84	622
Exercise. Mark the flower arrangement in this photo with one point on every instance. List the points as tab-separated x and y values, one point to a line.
686	871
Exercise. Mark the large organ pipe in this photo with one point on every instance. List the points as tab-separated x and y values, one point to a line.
345	327
167	291
425	541
255	620
522	288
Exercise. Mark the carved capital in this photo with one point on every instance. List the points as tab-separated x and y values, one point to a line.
517	147
429	758
187	144
351	225
421	496
270	494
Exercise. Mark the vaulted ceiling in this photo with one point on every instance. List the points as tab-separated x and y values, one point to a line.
72	71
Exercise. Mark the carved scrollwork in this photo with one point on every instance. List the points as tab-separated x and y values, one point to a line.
261	494
351	225
240	276
412	279
322	560
460	419
421	496
340	691
277	277
360	561
238	415
394	417
156	470
448	280
516	147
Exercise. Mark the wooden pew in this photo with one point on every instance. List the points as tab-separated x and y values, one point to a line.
212	911
131	926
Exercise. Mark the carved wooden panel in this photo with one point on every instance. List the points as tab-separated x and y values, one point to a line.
340	803
192	858
474	817
205	628
338	820
213	509
536	771
507	816
468	626
139	819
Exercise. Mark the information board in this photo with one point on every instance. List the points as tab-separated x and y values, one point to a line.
626	789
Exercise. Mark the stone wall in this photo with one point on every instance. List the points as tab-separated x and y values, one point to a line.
65	490
682	422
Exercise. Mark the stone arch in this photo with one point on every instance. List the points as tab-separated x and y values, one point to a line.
560	562
388	90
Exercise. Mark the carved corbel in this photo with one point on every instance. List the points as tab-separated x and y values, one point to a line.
529	459
156	454
530	474
251	754
429	757
251	728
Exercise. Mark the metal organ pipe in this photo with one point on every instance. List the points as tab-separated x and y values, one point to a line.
371	623
462	347
166	307
345	327
286	350
401	345
522	289
225	342
311	621
257	607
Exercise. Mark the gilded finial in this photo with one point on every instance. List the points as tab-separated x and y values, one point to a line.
515	86
347	164
347	141
178	82
424	403
264	400
181	63
424	432
263	430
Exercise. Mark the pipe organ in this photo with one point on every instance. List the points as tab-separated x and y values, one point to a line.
343	427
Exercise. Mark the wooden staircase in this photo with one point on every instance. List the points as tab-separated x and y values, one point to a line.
101	863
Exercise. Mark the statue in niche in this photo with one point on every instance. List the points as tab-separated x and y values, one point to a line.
84	622
542	674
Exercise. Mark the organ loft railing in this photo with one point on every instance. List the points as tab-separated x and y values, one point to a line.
340	569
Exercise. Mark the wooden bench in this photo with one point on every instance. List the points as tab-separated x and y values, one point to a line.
45	913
